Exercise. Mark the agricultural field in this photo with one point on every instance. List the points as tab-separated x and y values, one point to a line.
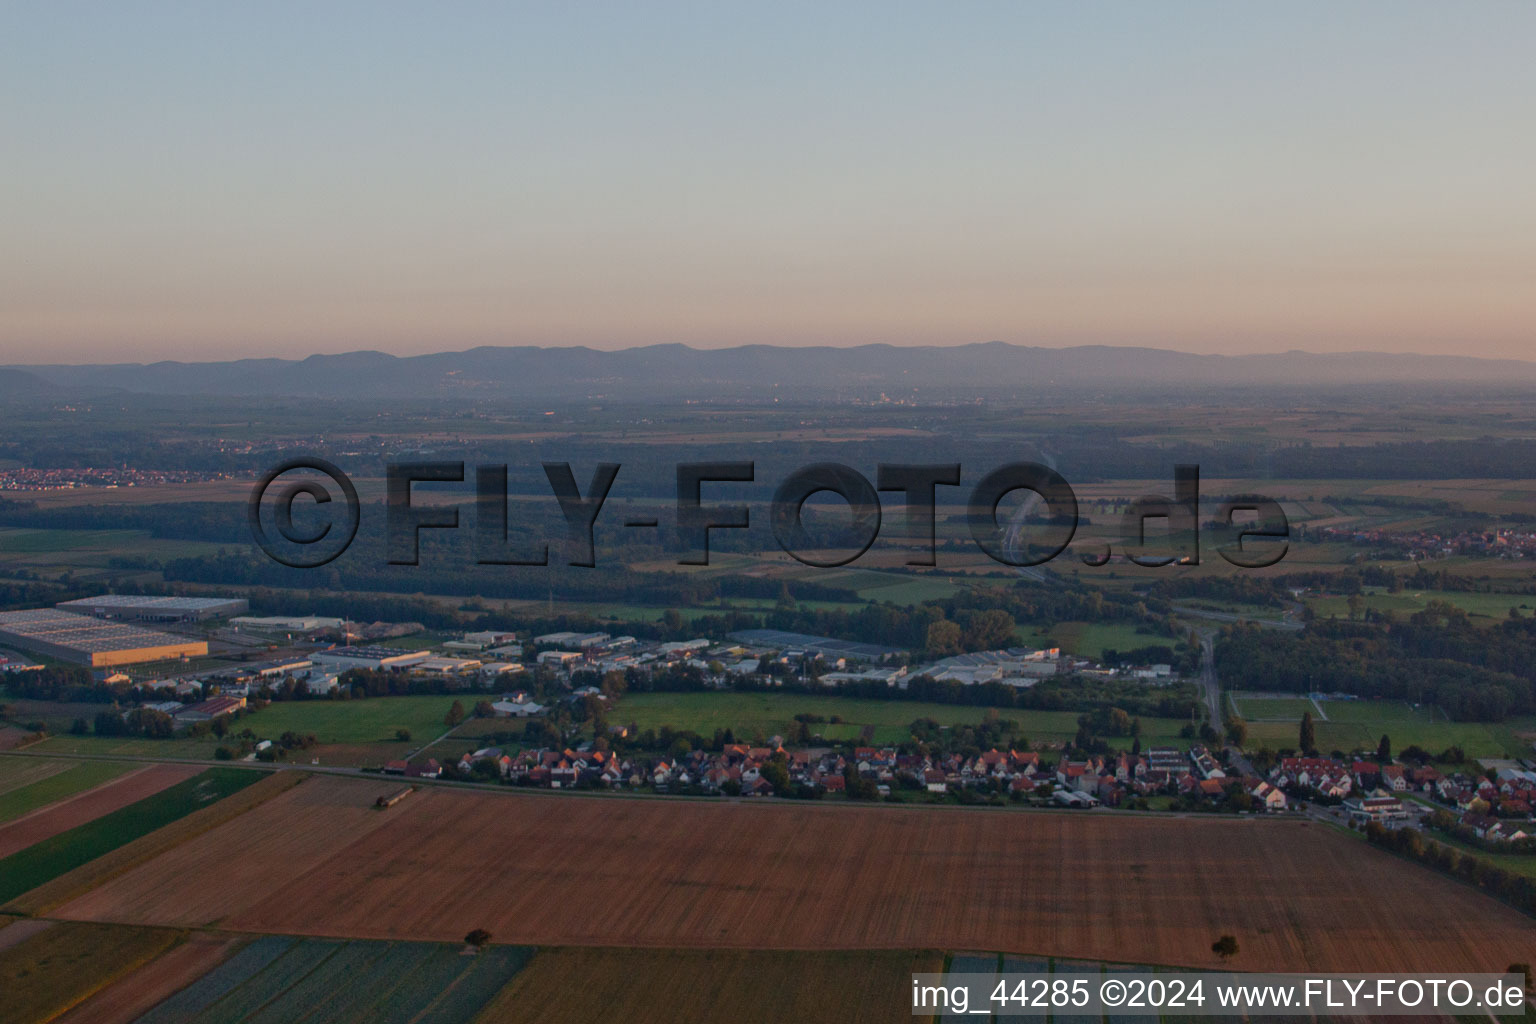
576	986
179	748
276	980
62	964
748	714
159	976
664	874
350	732
1491	608
52	818
28	783
76	881
90	549
128	998
1359	725
49	858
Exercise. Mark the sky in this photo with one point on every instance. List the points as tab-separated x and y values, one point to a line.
210	181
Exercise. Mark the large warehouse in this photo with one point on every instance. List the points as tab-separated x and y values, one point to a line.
142	608
89	641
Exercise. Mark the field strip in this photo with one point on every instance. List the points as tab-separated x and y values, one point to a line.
533	871
18	932
24	775
49	821
72	883
128	998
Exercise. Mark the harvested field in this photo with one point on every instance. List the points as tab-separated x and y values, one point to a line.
59	817
575	986
17	930
569	871
50	894
61	966
319	819
130	997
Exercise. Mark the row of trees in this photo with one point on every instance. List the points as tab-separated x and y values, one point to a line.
1437	657
1515	889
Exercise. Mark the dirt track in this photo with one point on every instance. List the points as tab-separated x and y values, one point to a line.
571	871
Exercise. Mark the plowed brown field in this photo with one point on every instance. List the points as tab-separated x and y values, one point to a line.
129	998
46	822
570	871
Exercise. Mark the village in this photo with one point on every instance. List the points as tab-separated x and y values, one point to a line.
567	679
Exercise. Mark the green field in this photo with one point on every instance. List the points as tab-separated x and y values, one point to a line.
1272	709
44	861
184	748
76	778
368	720
1091	639
91	548
770	714
1359	725
1493	607
354	732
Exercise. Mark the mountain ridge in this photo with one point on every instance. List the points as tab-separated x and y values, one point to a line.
673	368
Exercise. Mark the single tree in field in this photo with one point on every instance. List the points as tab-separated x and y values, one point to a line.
1307	739
478	937
454	716
1384	750
1225	947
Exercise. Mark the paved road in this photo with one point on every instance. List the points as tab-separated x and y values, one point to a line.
1200	613
1210	689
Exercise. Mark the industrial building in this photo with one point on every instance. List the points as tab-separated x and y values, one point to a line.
286	623
88	641
341	659
143	608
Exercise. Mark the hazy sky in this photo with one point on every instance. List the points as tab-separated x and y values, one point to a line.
207	180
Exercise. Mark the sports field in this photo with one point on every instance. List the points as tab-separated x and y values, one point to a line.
636	872
1351	725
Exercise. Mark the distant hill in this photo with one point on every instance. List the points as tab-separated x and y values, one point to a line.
18	385
676	370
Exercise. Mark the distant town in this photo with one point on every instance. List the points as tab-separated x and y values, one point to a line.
560	694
